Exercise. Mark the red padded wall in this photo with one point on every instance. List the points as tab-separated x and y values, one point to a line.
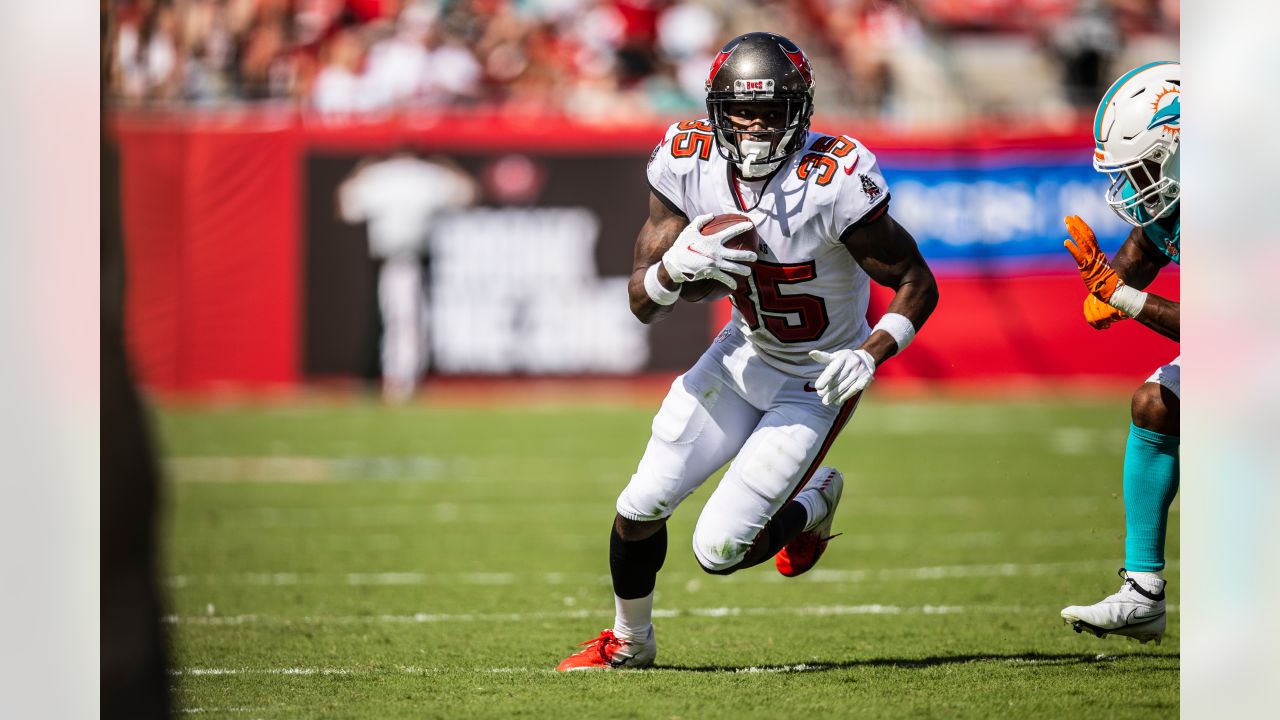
210	222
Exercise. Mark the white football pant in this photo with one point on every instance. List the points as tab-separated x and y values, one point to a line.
1169	376
404	338
732	405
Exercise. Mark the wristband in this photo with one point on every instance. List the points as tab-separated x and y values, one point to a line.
1128	300
898	327
658	292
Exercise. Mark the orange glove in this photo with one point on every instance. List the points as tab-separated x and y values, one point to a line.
1100	315
1097	274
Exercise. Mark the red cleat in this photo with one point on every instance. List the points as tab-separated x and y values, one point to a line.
802	553
607	652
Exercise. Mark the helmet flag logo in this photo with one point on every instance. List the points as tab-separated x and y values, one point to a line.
798	59
715	66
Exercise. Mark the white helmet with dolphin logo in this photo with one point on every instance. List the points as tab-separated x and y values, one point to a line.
1137	130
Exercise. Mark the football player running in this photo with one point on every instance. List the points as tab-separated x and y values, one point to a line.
786	373
1137	130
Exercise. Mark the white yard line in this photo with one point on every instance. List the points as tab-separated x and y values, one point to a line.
220	710
261	671
400	670
707	612
935	572
713	612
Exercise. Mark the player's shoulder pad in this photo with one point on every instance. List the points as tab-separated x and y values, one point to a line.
845	180
684	146
674	162
837	164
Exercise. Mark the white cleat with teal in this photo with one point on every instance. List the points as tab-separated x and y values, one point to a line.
1135	611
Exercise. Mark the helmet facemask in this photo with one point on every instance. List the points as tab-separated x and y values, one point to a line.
758	152
1151	180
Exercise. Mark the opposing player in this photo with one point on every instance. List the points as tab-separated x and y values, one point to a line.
1137	130
784	376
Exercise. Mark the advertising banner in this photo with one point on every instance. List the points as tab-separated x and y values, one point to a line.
530	279
999	211
245	269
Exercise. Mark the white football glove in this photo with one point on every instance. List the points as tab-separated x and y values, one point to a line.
695	256
848	373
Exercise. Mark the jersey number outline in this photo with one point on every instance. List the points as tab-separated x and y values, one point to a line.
820	160
694	140
776	307
824	166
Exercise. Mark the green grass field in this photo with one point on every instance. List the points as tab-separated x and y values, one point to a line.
356	561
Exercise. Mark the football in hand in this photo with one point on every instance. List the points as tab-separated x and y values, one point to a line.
709	290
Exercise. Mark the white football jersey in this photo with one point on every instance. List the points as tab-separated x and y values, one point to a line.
400	198
806	292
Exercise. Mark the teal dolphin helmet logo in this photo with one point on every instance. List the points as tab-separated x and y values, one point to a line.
1170	114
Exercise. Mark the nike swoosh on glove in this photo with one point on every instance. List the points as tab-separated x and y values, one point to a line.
695	256
847	373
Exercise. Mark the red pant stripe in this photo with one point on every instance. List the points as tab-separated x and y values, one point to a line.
841	418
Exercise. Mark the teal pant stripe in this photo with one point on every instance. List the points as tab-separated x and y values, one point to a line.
1150	482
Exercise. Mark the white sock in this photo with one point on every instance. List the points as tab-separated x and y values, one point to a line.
814	505
1152	582
633	618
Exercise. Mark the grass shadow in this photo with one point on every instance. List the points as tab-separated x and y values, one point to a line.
1031	659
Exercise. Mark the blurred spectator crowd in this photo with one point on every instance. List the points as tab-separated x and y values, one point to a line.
907	62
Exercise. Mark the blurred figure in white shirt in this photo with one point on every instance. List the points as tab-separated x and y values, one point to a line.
454	76
401	198
398	66
147	56
689	34
339	89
